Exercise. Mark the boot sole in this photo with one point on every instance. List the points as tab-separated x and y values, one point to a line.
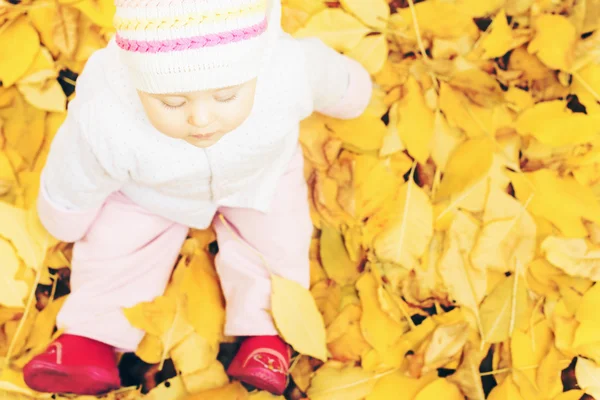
83	380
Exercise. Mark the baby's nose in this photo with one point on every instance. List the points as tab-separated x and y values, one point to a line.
200	119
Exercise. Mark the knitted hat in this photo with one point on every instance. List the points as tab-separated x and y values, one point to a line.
173	46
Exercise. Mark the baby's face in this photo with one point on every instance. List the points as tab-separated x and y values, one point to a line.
200	118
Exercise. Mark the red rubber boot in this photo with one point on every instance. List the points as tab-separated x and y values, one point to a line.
74	364
263	362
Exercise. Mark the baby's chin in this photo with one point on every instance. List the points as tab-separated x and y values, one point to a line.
204	143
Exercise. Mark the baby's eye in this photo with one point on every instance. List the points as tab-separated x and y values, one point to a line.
172	106
225	99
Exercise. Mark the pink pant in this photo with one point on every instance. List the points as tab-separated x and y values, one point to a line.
124	255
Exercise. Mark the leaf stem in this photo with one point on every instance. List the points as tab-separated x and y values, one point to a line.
28	307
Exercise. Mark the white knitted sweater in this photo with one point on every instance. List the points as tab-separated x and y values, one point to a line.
107	143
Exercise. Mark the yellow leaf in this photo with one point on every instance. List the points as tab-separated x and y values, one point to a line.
212	377
194	353
440	389
64	32
13	292
361	134
150	349
468	164
26	233
573	256
200	285
20	45
371	52
459	111
588	308
481	88
375	181
24	128
554	41
446	342
232	391
101	12
391	141
302	372
335	259
42	18
415	122
344	337
168	390
530	348
501	38
505	309
11	381
518	99
466	284
373	13
588	376
516	7
588	78
155	317
436	18
405	238
304	328
335	28
328	296
549	121
387	387
550	193
477	8
41	69
467	376
508	235
445	140
549	374
333	383
378	328
506	391
46	96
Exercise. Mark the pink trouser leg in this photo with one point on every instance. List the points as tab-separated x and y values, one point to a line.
282	236
126	257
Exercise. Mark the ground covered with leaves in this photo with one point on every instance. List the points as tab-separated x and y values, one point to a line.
457	239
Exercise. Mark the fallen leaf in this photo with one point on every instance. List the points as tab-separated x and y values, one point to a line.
440	388
304	329
415	122
374	14
505	309
20	44
554	41
468	164
335	259
335	28
349	383
548	122
64	32
371	52
405	235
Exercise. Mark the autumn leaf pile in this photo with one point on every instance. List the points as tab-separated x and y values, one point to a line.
457	239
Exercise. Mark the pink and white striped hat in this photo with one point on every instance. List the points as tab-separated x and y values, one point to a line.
174	46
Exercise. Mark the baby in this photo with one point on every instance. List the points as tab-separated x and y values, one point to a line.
191	111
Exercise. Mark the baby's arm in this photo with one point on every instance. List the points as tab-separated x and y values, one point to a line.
75	182
341	87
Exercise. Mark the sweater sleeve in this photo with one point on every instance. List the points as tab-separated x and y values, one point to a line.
77	178
340	86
